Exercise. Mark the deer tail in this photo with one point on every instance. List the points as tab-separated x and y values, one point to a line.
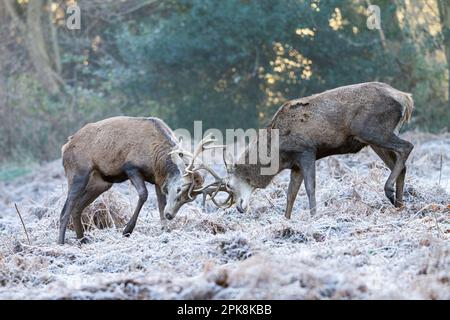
408	107
407	103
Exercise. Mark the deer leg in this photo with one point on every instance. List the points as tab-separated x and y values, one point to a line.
401	149
307	162
389	159
161	201
76	189
95	187
139	183
63	221
294	186
399	188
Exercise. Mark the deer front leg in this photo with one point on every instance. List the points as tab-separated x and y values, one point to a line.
161	201
294	186
308	166
139	183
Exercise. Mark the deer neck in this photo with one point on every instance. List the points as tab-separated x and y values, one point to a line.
251	173
257	174
164	168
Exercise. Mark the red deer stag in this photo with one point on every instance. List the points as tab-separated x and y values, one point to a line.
139	149
338	121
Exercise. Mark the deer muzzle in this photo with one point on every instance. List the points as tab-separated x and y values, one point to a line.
169	216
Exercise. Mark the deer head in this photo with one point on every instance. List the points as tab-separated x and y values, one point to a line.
191	185
237	185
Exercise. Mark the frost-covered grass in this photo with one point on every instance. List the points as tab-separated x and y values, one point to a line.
357	247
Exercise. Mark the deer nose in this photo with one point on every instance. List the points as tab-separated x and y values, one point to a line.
239	207
169	216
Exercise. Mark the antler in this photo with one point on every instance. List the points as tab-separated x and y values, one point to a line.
202	145
213	188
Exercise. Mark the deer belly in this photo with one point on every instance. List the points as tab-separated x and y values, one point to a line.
350	146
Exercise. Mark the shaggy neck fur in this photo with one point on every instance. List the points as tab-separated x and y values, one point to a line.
164	167
251	173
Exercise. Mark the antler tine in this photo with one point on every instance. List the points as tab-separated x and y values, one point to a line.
200	147
203	166
226	204
191	187
200	190
213	189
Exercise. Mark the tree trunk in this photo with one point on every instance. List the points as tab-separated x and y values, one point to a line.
32	29
55	45
444	12
37	47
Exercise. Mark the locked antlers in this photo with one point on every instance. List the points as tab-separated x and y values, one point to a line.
211	189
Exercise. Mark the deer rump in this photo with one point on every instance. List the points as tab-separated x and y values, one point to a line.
342	120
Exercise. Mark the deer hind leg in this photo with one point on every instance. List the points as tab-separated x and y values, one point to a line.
401	148
95	187
138	182
294	186
389	158
77	187
81	195
307	162
399	188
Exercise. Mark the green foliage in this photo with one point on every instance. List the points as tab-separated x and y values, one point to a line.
229	63
232	63
10	173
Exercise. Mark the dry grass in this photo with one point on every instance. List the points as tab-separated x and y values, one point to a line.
357	247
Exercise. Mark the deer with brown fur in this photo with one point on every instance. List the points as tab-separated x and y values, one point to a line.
338	121
125	148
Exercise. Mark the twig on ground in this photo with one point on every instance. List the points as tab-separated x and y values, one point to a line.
270	201
417	213
23	223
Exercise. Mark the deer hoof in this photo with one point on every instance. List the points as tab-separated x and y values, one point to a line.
390	195
85	240
399	204
128	230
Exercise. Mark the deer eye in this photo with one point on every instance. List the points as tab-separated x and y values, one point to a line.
178	190
181	155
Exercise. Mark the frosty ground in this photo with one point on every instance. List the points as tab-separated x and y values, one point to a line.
357	247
